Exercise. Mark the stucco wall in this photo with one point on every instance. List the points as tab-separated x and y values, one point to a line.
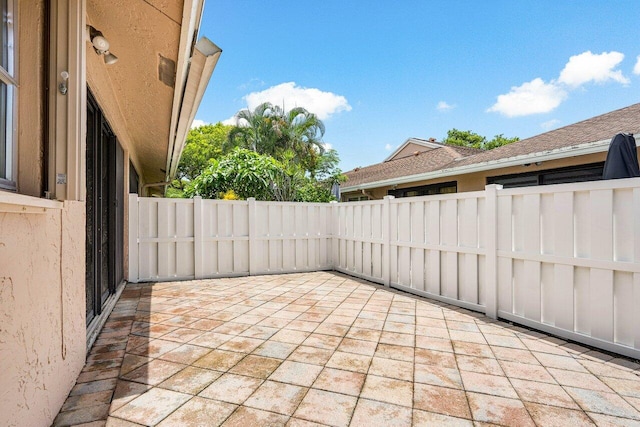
42	312
410	149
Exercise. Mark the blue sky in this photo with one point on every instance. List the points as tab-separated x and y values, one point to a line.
379	72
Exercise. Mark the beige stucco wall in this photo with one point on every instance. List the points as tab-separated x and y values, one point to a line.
477	181
410	149
42	312
42	265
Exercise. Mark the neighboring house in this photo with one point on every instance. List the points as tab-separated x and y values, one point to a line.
78	131
569	154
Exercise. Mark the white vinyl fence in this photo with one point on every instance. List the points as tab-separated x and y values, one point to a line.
176	239
430	246
564	258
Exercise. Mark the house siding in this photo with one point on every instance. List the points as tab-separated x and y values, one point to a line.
477	181
410	149
42	261
42	320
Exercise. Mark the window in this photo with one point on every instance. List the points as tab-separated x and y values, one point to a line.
7	96
581	173
357	198
426	190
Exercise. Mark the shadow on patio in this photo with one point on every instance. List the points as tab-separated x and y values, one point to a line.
327	349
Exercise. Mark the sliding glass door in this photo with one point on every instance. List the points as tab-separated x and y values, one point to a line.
105	214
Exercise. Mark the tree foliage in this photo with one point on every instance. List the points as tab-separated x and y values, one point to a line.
466	138
499	141
244	173
272	154
271	130
203	144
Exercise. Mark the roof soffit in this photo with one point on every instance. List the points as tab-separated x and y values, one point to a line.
135	101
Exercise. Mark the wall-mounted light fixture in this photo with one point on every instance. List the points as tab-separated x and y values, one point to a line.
100	45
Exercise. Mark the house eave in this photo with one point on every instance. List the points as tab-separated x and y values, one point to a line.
203	62
541	156
191	17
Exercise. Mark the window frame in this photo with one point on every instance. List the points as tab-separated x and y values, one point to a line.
568	174
357	198
425	190
8	77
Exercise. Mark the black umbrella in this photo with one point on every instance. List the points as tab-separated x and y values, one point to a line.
622	158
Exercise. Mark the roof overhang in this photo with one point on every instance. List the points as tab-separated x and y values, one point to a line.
542	156
150	95
204	60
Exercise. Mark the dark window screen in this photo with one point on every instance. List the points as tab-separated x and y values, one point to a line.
426	190
582	173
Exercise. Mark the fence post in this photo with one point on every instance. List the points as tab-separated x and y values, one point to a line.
491	267
197	238
133	275
332	246
252	235
386	240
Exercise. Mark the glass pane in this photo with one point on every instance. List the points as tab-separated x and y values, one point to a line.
5	149
104	215
89	241
449	190
5	34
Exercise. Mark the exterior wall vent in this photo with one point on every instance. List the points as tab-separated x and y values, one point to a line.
166	71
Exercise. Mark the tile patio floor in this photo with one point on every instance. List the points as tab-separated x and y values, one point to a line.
326	349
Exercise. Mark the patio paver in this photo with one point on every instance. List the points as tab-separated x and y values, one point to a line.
327	349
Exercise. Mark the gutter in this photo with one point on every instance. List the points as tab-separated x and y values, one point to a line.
542	156
204	60
191	16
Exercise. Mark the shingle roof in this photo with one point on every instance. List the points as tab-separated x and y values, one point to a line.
599	128
423	161
595	129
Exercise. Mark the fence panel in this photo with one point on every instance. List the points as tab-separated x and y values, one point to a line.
359	239
568	261
194	238
436	247
292	237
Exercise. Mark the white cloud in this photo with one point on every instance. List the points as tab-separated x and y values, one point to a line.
443	106
532	97
197	123
327	146
537	96
588	67
389	147
254	82
231	121
322	104
550	124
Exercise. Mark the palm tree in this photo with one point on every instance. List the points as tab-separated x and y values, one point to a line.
253	129
305	136
269	129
